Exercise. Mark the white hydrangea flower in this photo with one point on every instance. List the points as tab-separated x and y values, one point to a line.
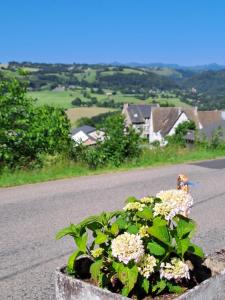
168	209
177	269
147	200
146	265
143	231
134	206
127	247
173	202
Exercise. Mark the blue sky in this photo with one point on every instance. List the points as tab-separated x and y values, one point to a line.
186	32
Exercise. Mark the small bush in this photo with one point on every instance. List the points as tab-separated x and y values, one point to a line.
120	144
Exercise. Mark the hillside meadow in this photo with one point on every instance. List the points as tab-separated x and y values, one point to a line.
74	114
63	98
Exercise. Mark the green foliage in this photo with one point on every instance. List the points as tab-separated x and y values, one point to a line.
163	240
120	144
180	132
27	131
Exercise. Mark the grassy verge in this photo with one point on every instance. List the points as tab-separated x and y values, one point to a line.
67	169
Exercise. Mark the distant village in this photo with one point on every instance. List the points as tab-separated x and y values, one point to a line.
155	123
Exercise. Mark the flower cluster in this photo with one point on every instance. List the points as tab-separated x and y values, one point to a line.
147	200
127	247
143	231
138	247
97	252
134	206
146	265
173	202
177	269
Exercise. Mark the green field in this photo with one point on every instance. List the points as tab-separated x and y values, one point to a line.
124	71
58	99
75	114
166	72
63	99
88	75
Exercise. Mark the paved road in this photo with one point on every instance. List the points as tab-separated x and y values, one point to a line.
31	215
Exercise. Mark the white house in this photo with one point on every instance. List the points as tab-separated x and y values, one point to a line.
156	122
87	135
164	121
138	116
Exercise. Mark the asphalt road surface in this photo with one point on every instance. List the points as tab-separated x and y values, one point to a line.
31	215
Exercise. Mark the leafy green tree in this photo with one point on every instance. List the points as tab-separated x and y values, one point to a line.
180	132
26	131
120	144
76	102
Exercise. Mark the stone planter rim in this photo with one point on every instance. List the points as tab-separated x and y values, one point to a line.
216	281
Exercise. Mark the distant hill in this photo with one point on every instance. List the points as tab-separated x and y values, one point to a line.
203	86
210	86
207	67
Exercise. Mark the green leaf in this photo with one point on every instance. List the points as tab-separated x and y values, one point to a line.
196	250
125	291
131	199
175	288
128	276
117	266
114	229
89	220
101	238
95	269
145	214
122	223
94	226
184	226
105	217
81	242
71	261
145	285
158	221
133	229
156	249
71	230
161	233
159	287
182	246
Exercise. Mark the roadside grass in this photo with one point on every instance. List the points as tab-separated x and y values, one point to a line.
68	169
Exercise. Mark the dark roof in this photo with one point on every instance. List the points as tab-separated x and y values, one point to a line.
207	118
208	131
138	113
164	118
86	129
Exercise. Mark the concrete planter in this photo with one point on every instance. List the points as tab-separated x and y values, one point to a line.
68	288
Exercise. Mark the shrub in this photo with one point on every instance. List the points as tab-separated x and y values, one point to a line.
120	144
76	102
180	132
27	130
146	249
